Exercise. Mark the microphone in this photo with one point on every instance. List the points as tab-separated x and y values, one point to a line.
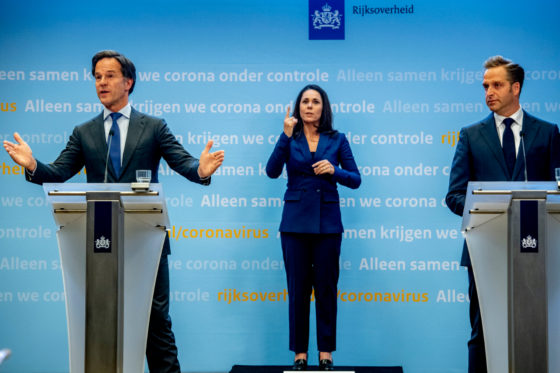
521	135
111	133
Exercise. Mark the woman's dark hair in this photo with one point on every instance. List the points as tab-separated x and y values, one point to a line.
325	123
127	67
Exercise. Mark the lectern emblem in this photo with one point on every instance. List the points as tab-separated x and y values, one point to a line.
326	18
102	243
529	242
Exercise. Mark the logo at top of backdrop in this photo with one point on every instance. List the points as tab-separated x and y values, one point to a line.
326	18
326	21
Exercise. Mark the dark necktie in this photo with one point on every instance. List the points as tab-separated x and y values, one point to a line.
115	151
508	146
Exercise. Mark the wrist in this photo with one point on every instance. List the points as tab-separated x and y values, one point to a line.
201	175
33	166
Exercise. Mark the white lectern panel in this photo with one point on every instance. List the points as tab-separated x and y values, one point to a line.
144	235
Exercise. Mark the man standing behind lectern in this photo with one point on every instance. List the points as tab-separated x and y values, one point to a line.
133	141
492	150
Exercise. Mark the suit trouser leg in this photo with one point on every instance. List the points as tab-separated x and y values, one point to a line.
477	352
161	351
298	264
326	269
312	261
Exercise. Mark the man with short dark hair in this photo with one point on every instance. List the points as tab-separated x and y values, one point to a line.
489	151
138	142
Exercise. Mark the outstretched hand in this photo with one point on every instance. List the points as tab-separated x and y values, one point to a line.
289	123
21	153
209	162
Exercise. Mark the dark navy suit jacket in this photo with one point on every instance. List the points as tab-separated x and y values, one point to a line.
311	202
147	141
479	157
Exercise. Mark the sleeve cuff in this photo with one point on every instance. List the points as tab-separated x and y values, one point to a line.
30	173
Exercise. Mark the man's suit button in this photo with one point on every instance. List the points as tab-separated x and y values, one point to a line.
318	190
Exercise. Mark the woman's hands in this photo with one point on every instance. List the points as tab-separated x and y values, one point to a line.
323	167
289	123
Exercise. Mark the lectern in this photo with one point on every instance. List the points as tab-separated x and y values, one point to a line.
110	240
513	235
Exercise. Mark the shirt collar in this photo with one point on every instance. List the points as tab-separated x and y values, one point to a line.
125	111
517	117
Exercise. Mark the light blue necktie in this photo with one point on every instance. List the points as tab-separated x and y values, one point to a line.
115	151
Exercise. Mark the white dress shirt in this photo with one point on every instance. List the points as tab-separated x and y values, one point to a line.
516	127
122	122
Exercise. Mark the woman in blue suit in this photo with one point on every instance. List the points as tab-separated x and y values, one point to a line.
317	157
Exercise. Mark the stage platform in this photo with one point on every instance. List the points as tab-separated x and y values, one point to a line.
283	368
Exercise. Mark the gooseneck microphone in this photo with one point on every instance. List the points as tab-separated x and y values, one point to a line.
521	135
111	133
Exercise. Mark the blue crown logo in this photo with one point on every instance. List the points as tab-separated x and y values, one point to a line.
326	18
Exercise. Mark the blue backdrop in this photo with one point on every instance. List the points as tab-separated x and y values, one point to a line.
402	84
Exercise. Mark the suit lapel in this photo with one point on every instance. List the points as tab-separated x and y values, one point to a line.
100	142
135	129
322	146
303	147
490	135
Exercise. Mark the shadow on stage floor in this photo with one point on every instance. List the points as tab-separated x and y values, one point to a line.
282	368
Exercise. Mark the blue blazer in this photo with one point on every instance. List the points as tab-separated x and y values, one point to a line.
479	157
311	202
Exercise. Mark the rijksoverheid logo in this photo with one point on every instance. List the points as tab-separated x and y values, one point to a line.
326	20
366	10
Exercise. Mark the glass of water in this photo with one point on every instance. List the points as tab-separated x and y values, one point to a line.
143	176
557	174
